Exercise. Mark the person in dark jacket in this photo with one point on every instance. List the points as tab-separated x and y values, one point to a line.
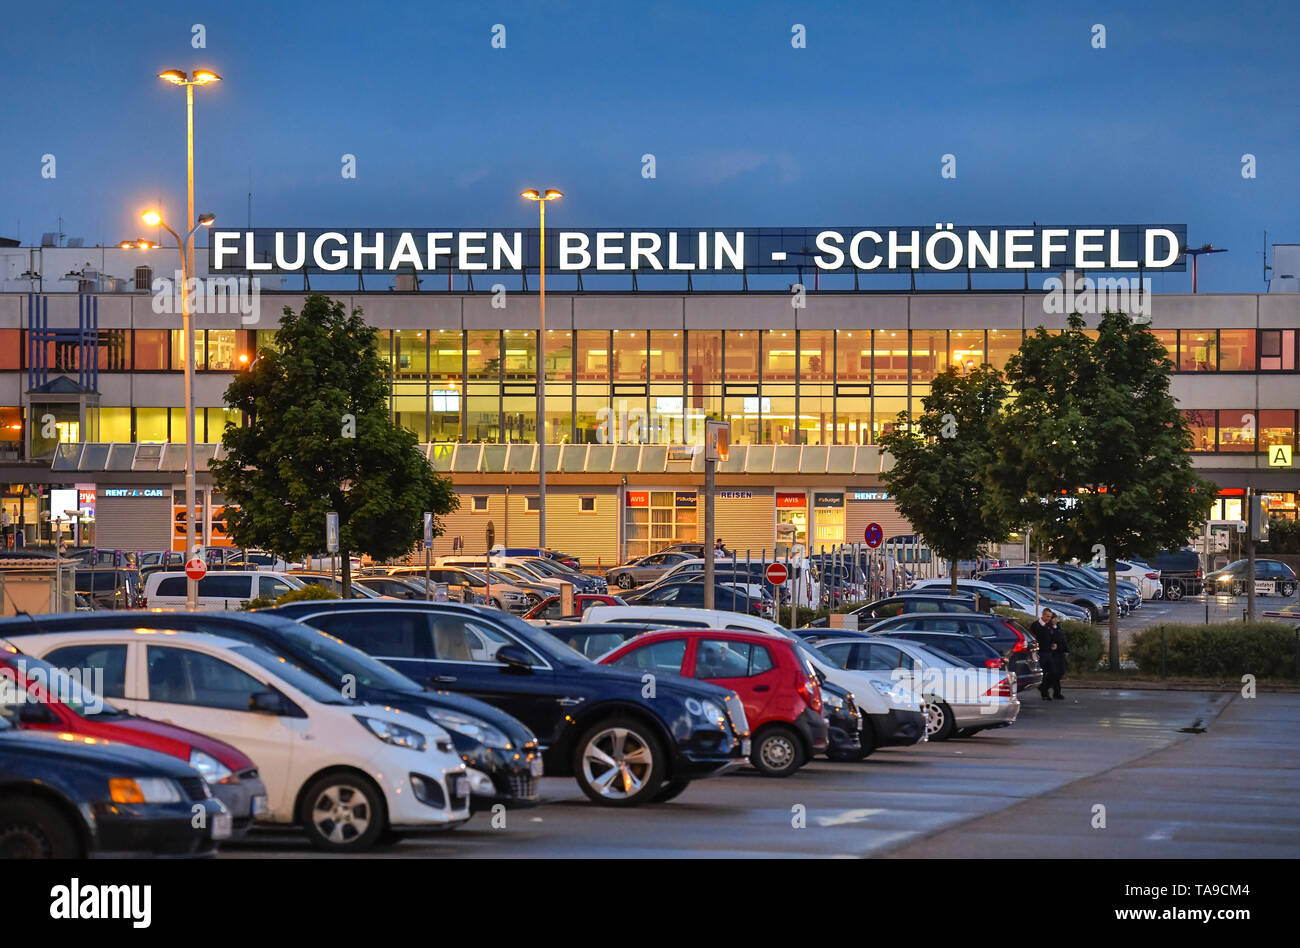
1052	651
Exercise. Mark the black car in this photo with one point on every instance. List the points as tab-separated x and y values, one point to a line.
65	799
594	721
690	592
844	720
499	751
108	587
1016	645
1231	580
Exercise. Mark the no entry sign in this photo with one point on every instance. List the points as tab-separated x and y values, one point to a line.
195	568
777	574
875	535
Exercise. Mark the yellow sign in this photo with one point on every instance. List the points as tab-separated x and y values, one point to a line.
1279	455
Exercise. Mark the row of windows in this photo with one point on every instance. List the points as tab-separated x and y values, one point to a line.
635	355
1241	431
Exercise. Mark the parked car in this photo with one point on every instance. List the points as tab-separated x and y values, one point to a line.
1068	610
550	608
679	616
803	580
779	689
957	697
1180	571
908	603
392	587
556	569
583	714
687	592
645	569
563	558
1271	576
1049	581
1015	645
490	585
367	771
218	590
68	799
334	584
108	587
1126	593
502	755
42	697
1145	578
1013	597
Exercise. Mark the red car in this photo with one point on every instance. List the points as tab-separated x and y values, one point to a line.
549	608
37	696
778	688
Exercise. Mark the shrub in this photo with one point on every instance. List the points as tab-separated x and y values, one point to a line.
1218	650
308	593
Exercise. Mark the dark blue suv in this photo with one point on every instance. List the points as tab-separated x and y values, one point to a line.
627	738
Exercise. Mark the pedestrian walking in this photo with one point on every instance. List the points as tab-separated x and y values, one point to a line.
1051	654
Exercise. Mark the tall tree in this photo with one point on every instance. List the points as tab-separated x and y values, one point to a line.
940	464
317	437
1091	452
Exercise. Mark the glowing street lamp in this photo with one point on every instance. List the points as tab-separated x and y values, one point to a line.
541	197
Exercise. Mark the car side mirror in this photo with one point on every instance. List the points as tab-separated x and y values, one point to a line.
36	714
515	659
267	702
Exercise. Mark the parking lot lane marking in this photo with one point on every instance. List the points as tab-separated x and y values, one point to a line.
848	816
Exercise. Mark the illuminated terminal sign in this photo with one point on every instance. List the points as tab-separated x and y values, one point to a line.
933	248
133	492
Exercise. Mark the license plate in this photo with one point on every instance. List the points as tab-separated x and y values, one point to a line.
260	806
535	767
221	826
745	748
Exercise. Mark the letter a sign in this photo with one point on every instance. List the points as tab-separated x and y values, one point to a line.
1279	455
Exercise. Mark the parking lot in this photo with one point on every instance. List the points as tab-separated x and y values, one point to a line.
1027	791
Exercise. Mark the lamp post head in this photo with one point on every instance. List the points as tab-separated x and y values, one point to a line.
533	194
174	76
152	218
204	76
207	220
552	194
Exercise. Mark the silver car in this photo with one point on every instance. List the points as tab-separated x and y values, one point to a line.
644	570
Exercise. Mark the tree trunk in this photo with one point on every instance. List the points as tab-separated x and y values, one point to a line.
346	564
952	574
1114	615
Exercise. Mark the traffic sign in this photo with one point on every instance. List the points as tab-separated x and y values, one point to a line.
875	535
195	568
777	574
1279	455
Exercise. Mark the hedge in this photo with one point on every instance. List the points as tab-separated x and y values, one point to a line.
1218	650
311	591
1083	640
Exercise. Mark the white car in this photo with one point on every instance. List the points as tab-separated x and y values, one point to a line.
219	589
958	698
684	617
1146	578
348	773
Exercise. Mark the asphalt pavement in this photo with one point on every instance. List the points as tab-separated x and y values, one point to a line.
1180	774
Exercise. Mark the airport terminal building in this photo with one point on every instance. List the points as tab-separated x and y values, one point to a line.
92	396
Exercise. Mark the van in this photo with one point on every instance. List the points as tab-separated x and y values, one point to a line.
222	589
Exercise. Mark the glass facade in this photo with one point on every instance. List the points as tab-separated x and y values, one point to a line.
776	386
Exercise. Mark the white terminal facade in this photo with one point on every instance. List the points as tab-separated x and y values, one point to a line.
92	398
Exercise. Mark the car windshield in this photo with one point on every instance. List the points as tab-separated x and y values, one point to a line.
539	639
284	670
336	659
69	690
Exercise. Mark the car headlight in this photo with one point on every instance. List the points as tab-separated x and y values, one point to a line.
707	710
476	728
832	700
393	733
213	770
144	790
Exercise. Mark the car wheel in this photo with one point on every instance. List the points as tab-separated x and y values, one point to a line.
777	752
1286	589
671	789
34	829
1174	591
343	813
1094	614
624	580
619	762
939	723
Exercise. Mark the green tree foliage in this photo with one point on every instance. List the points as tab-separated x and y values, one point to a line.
1091	451
318	438
940	462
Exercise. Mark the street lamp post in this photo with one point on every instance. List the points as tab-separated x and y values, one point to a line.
550	194
154	219
201	77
